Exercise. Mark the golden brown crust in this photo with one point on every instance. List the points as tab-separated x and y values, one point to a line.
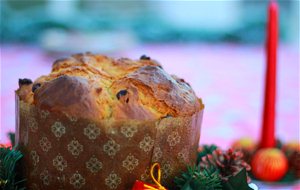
70	95
98	87
25	93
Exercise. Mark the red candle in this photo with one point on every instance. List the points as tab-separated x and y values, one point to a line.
268	128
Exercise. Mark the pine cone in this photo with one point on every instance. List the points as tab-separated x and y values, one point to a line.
228	163
205	150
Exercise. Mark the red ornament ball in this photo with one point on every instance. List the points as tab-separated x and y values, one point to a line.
269	164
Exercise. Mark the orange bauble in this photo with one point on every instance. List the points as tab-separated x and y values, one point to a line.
244	143
269	164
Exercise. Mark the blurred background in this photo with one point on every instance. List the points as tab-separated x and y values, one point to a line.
217	46
113	25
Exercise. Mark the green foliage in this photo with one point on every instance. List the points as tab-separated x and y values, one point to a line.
238	181
8	175
12	138
196	178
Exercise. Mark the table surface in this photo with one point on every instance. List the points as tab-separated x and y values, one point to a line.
228	77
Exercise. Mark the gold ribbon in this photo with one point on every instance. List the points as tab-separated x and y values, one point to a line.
156	181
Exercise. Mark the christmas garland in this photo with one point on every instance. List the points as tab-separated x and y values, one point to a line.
216	169
199	178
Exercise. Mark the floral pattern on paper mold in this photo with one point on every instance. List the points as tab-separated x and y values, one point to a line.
113	180
129	131
183	155
146	175
147	143
34	157
91	131
45	144
111	148
166	170
59	163
130	162
77	180
45	177
32	124
173	138
75	148
93	164
157	154
58	129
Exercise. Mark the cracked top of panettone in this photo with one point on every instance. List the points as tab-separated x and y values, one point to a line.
98	87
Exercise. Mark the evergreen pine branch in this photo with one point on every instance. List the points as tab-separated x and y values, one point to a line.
8	161
197	178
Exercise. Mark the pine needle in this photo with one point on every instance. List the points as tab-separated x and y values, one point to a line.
8	174
196	178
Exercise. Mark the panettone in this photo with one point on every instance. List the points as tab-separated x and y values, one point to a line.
101	106
98	87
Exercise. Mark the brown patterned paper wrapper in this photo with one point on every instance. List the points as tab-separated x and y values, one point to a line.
62	152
